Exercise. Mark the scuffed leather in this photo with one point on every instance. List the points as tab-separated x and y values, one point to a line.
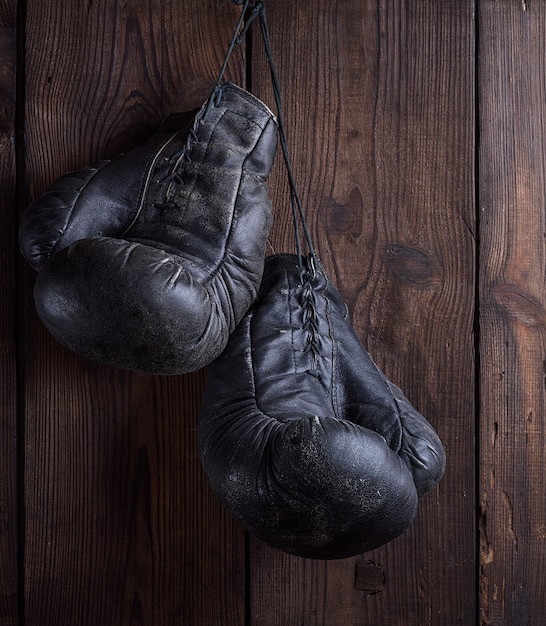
320	456
148	273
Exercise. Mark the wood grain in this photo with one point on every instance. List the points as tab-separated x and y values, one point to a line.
119	524
379	106
121	527
8	307
513	318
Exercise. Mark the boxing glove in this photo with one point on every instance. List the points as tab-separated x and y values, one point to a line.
306	442
147	262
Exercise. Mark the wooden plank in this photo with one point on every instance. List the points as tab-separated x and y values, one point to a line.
379	105
121	527
8	393
512	99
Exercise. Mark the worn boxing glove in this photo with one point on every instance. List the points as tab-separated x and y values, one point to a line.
149	261
301	436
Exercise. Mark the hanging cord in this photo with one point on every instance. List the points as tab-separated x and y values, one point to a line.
238	37
297	209
184	154
308	270
248	14
258	9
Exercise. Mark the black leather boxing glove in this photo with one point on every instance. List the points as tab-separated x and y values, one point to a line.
149	261
302	437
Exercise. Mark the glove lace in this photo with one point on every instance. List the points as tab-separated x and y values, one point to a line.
310	324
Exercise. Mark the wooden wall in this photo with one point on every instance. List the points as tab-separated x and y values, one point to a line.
417	133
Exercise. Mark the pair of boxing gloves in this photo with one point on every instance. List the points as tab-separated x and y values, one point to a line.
155	262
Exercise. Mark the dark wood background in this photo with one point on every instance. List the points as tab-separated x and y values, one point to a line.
417	132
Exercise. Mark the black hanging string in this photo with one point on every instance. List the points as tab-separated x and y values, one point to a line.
297	209
308	271
184	153
235	40
250	12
